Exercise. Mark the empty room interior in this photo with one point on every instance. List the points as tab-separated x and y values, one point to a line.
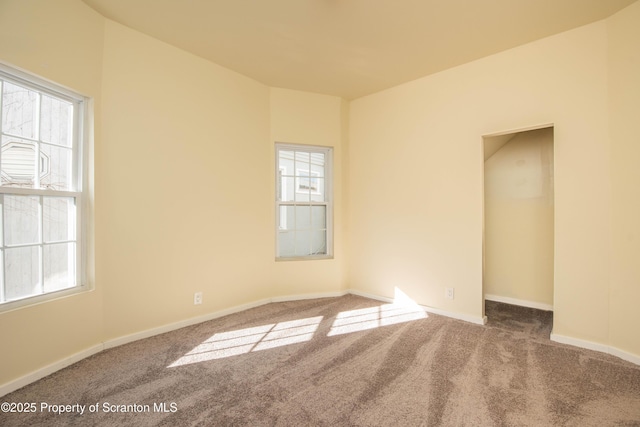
298	163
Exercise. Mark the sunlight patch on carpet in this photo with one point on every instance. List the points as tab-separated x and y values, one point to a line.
242	341
374	317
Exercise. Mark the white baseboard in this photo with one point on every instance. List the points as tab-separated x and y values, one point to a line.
454	315
459	316
20	382
76	357
370	296
34	376
300	297
629	357
220	313
520	302
181	324
589	345
602	348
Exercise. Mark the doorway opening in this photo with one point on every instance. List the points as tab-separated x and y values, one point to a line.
518	224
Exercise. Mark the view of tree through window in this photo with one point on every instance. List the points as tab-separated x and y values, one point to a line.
39	188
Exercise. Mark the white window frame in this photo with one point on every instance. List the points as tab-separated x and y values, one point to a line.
328	202
282	221
77	192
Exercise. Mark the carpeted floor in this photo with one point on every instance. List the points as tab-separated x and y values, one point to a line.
346	361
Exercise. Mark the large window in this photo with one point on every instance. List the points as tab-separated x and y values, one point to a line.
303	202
40	188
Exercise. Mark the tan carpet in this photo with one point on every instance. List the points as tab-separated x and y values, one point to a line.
346	361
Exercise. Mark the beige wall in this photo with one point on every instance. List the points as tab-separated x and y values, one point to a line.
61	41
416	176
624	97
518	215
185	159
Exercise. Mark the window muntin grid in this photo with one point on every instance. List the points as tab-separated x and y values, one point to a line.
303	202
40	188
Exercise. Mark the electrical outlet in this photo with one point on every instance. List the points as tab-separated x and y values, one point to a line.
448	293
197	298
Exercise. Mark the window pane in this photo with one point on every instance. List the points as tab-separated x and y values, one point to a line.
286	243
58	218
19	110
302	160
318	242
318	196
317	163
55	167
303	217
318	217
286	188
302	194
287	217
22	275
56	120
59	266
21	220
18	162
307	183
303	243
285	160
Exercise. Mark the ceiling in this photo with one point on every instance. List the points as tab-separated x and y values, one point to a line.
349	48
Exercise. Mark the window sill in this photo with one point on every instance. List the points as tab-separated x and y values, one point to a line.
304	258
44	298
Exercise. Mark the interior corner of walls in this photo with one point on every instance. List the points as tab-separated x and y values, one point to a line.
478	320
369	295
519	302
306	118
314	295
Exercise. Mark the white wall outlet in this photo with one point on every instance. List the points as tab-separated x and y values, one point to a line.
197	298
448	293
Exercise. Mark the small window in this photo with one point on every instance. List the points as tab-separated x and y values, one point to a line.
304	208
40	189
